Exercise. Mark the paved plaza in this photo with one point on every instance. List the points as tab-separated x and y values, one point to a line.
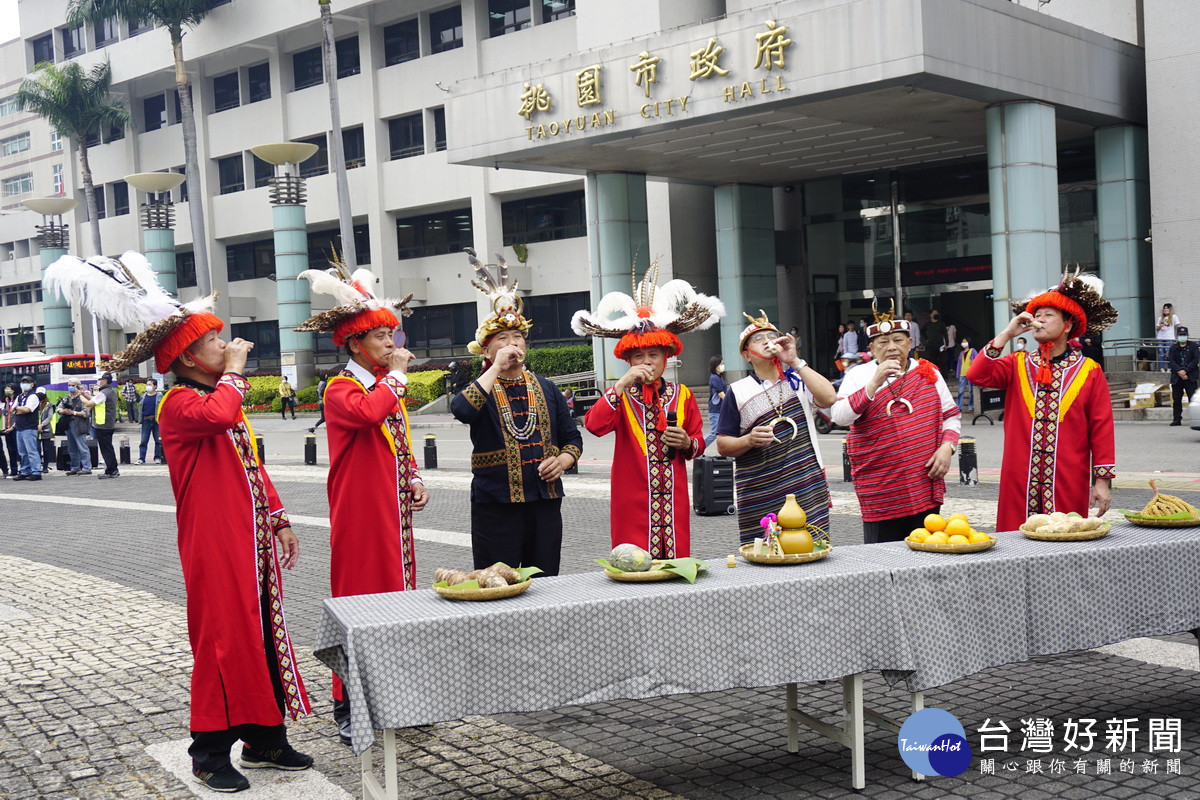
94	659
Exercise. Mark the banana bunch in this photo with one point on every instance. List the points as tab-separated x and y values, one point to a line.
1168	505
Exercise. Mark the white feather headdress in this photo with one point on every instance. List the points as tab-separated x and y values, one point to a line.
674	307
355	296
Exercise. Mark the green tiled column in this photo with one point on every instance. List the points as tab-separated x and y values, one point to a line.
619	247
1123	211
1023	194
56	312
291	293
160	252
745	219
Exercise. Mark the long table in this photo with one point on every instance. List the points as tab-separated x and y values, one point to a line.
415	658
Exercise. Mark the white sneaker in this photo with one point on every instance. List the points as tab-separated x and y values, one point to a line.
139	461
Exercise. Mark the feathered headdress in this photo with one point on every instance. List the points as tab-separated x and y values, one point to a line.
653	317
886	322
126	291
1081	296
506	303
759	323
358	308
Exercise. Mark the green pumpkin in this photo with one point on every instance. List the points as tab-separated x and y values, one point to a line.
630	558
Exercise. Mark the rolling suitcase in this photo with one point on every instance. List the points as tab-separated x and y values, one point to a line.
712	486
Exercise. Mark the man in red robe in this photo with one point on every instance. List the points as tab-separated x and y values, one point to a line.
657	422
1059	445
373	486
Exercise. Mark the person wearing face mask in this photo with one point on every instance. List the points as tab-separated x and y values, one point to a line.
24	410
148	413
73	409
716	393
234	536
522	439
897	400
9	430
1059	444
1183	359
966	392
102	401
1019	345
656	421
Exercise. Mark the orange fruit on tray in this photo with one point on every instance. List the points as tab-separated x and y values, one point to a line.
958	538
959	515
937	538
978	536
935	523
957	527
918	535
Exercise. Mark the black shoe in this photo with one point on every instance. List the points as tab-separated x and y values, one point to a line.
312	430
84	472
1174	424
341	715
225	779
109	475
20	478
34	477
286	757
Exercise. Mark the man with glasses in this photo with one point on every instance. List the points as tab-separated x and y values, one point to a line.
904	426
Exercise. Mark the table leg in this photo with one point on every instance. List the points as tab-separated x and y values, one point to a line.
793	726
917	703
852	705
372	789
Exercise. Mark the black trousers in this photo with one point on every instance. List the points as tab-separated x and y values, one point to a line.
519	534
210	749
895	530
104	444
1178	390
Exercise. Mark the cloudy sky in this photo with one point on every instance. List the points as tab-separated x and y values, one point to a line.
8	20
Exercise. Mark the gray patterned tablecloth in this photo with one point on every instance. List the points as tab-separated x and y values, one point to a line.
1024	598
415	658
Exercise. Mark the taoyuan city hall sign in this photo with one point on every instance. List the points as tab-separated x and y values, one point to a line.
709	70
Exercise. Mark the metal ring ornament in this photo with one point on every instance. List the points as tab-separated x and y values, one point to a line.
788	420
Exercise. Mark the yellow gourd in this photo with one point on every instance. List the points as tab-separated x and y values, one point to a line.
792	516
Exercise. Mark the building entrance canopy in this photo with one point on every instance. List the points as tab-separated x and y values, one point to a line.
795	91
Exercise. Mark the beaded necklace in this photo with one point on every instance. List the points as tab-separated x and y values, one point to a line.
507	418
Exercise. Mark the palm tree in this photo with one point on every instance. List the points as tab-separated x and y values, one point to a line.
174	15
77	104
336	148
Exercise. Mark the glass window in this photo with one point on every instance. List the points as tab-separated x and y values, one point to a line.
434	234
439	129
154	110
18	184
14	144
306	68
321	242
440	326
265	335
354	147
346	55
319	163
106	31
120	198
56	172
185	269
506	16
557	9
9	106
179	107
137	25
91	139
250	260
182	191
231	172
225	92
114	134
263	172
551	315
72	41
446	29
101	202
401	42
259	80
55	141
543	219
211	4
406	136
43	49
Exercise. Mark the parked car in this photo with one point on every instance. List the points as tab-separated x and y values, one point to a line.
1193	410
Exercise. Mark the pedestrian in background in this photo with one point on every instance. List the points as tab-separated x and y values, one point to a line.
24	421
149	409
10	431
320	405
966	355
4	417
849	342
1164	332
102	401
45	428
1092	347
934	337
287	398
77	415
914	330
716	395
1184	360
129	394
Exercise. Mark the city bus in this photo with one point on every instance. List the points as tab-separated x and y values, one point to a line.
49	371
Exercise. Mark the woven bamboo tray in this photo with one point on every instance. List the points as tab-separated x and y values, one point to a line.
747	551
970	547
1078	536
493	593
655	573
1151	522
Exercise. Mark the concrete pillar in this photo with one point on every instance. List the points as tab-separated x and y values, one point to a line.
56	312
1123	211
160	252
746	275
292	293
1023	195
618	246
